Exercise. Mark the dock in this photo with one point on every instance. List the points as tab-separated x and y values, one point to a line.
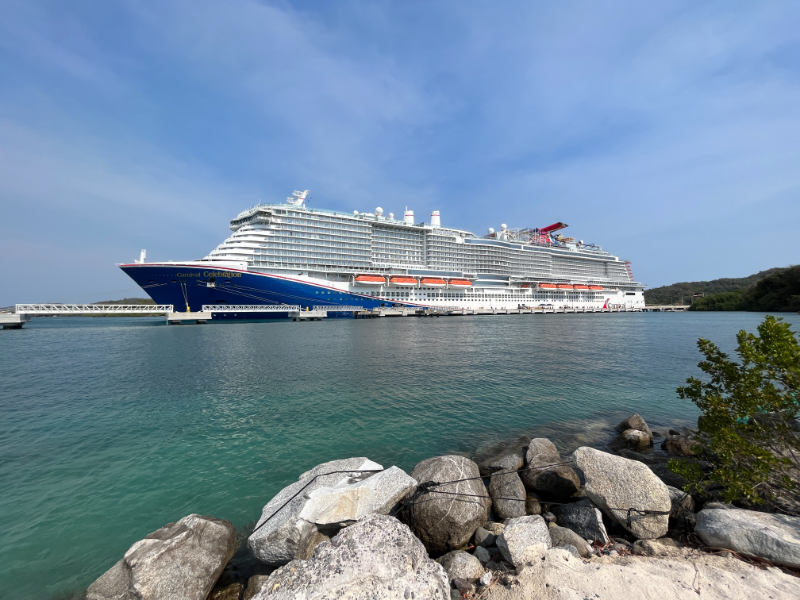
23	313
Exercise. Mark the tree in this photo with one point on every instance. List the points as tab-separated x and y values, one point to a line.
746	441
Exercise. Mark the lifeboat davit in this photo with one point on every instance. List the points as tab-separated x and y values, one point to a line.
596	287
402	280
565	286
370	279
548	286
433	282
461	282
579	286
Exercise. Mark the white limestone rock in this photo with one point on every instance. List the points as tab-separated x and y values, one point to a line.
281	534
348	501
771	536
520	534
377	558
461	565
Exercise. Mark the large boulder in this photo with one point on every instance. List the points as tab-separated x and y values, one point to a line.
445	516
461	565
546	471
616	484
520	534
510	458
508	495
180	560
771	536
351	501
377	558
633	433
583	518
281	534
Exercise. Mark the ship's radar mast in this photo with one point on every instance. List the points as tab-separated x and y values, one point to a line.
299	198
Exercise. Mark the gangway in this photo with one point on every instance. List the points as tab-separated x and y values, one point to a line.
252	308
91	309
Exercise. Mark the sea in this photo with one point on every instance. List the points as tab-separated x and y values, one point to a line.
112	427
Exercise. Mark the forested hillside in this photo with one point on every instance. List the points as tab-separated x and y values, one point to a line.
778	292
673	294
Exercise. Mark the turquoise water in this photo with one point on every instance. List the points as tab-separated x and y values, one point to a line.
113	427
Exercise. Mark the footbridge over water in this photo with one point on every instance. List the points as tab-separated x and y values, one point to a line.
15	317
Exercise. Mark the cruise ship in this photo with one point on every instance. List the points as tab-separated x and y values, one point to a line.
292	254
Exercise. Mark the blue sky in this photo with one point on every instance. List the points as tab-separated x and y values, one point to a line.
667	132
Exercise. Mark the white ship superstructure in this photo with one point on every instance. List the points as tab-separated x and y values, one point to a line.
401	261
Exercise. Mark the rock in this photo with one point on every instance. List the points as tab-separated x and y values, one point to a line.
571	549
532	505
486	580
679	445
483	538
351	501
377	557
455	594
463	586
510	458
443	521
549	517
180	560
634	433
494	528
679	500
660	547
615	484
461	565
561	536
583	518
232	591
254	585
634	422
508	495
718	506
521	533
281	535
700	577
632	438
771	536
548	474
482	554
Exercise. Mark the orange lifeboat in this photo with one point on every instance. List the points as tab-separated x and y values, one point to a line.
460	282
596	287
433	282
564	286
370	279
525	286
578	286
402	280
548	286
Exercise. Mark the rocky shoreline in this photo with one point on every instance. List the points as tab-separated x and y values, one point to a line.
520	522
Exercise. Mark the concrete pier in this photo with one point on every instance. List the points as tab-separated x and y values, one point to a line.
13	320
175	318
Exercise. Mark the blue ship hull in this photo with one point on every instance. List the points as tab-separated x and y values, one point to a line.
187	288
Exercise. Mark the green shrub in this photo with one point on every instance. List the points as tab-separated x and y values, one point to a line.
746	437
